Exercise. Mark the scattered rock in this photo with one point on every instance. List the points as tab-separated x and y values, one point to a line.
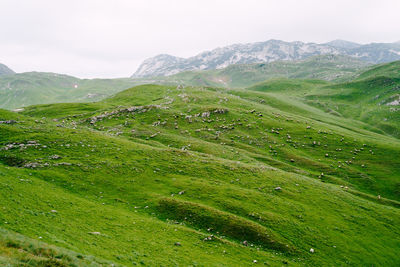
178	244
278	188
94	233
209	238
221	111
134	109
8	122
32	165
311	250
62	163
55	157
205	114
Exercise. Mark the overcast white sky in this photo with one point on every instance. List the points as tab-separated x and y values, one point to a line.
110	38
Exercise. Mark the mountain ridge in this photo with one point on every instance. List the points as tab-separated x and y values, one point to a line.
325	67
343	44
265	52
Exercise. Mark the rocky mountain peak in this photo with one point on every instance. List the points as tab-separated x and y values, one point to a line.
264	52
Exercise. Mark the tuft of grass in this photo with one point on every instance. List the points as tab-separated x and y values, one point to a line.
17	250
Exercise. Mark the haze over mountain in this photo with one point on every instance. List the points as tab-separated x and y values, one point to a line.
29	88
264	52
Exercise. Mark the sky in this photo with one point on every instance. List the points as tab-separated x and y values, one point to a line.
107	39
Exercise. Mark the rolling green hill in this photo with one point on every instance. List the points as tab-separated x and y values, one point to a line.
198	176
24	89
374	101
373	97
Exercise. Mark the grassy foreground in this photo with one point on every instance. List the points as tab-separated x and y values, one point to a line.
172	176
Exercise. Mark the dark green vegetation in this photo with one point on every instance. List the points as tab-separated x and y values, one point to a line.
24	89
197	176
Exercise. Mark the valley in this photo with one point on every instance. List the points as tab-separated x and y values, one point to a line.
293	162
182	175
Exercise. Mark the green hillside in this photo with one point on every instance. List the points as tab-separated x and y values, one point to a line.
388	70
24	89
199	176
373	97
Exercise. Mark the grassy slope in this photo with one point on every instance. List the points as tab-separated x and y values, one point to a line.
24	89
153	176
367	98
389	70
18	250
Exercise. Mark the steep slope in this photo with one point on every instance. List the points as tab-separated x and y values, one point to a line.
24	89
161	175
4	70
265	52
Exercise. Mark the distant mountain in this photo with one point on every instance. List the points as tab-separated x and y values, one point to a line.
343	44
265	52
324	67
4	70
377	52
161	65
29	88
